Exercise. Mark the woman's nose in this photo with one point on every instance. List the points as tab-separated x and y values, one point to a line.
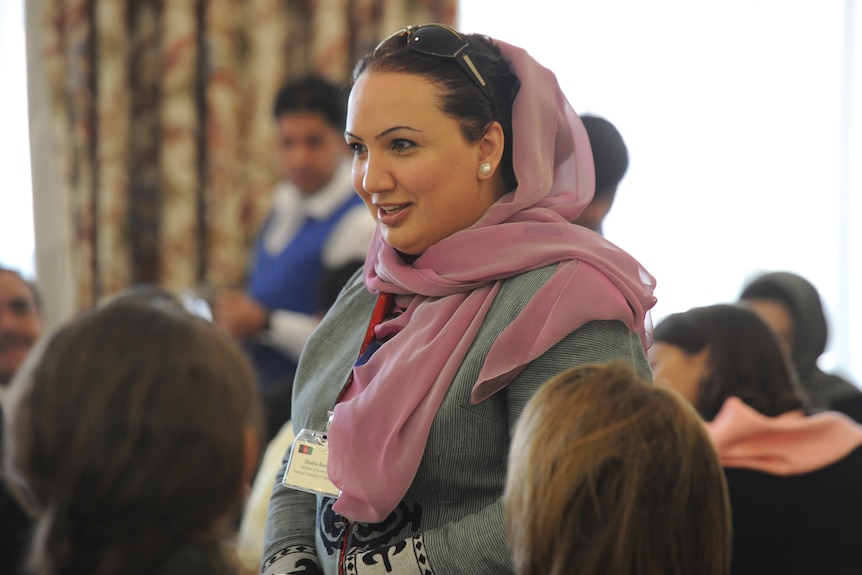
377	176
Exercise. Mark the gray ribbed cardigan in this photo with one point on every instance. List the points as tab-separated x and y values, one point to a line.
450	521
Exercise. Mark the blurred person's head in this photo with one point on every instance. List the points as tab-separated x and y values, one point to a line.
21	321
611	160
309	115
791	307
131	431
711	353
610	474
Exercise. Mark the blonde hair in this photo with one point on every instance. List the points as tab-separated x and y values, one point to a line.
609	475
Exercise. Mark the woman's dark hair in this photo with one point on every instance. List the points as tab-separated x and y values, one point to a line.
126	437
744	359
462	99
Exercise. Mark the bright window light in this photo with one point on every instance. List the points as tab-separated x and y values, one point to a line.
737	119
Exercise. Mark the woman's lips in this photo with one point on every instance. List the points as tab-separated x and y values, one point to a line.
390	214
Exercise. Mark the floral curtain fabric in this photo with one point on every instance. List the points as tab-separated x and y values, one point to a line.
160	124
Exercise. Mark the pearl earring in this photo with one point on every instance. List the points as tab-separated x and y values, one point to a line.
485	168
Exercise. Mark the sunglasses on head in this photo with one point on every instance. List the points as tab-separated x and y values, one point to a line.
445	42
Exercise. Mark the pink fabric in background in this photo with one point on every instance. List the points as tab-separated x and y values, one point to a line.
790	444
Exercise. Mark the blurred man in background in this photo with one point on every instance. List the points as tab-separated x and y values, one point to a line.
317	226
21	326
611	159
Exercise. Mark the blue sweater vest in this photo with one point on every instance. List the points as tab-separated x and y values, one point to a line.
290	280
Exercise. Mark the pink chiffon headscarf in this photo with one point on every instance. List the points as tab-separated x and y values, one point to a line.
378	434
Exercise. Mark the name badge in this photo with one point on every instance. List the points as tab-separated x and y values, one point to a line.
306	466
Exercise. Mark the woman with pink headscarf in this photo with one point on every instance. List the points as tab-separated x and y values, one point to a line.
476	290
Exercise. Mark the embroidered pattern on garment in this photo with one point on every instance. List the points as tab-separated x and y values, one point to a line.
304	560
403	557
403	522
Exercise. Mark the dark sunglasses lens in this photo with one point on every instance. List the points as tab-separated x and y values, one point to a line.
436	41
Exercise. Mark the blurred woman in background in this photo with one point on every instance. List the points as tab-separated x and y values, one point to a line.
609	474
794	478
131	435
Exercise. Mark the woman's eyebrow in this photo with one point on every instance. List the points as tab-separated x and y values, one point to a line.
384	133
393	129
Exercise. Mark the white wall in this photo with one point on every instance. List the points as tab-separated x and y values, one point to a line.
739	123
16	206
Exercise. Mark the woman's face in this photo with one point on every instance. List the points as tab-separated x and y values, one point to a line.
412	165
777	316
674	368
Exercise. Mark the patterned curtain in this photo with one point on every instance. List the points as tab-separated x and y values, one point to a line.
159	125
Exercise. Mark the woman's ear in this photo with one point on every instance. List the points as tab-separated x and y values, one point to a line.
491	149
